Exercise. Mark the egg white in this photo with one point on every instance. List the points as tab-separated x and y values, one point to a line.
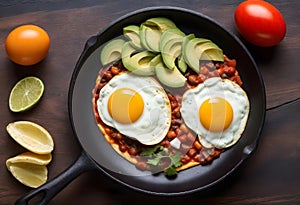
155	121
216	87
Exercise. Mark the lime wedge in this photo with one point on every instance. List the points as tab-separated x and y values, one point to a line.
25	94
31	136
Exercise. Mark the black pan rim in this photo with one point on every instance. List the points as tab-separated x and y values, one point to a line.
91	42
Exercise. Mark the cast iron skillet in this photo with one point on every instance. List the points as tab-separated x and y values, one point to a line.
97	154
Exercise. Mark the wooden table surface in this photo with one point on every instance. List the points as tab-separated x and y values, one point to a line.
270	176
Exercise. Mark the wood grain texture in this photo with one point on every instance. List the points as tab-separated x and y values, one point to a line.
270	176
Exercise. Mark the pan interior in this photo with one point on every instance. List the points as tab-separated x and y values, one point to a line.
109	162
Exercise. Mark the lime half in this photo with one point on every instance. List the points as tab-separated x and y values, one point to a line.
25	94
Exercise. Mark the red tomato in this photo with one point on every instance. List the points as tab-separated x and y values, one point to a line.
260	23
27	44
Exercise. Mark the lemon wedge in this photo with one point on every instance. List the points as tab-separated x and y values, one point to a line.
29	174
31	136
31	158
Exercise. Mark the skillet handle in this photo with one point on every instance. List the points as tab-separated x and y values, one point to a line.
46	192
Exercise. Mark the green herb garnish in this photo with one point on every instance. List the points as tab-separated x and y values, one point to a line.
157	153
152	150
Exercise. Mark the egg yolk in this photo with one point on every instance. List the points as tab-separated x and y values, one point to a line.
215	114
125	105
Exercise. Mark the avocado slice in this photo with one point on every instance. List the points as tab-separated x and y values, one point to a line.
151	31
169	34
127	51
111	51
215	54
170	78
191	56
211	51
160	22
152	38
198	49
142	32
132	33
186	39
137	62
182	64
170	52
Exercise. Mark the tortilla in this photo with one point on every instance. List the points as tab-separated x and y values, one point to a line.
187	161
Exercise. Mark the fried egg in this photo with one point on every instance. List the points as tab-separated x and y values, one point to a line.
136	106
217	110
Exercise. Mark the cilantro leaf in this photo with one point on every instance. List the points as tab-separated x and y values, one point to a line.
170	171
154	161
176	160
156	153
151	150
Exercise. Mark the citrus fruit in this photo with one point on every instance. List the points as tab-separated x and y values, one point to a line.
27	44
29	168
25	94
31	175
31	136
30	157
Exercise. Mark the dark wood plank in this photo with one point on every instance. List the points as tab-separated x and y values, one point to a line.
270	176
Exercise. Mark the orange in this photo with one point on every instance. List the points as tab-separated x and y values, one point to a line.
27	44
